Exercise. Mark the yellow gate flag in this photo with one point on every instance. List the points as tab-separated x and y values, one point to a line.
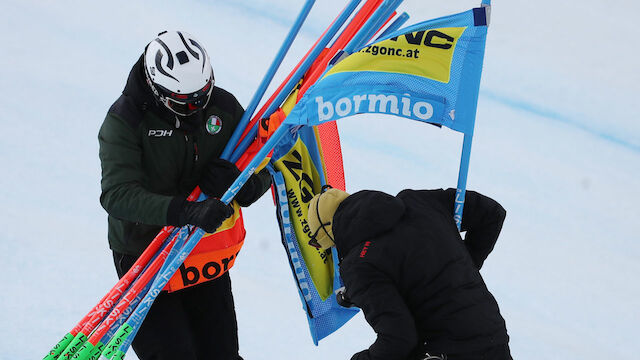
302	182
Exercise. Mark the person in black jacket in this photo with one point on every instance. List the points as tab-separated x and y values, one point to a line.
404	263
160	139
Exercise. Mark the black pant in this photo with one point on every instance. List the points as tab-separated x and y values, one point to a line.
196	323
499	352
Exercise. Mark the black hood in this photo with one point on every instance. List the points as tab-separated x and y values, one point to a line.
363	216
139	91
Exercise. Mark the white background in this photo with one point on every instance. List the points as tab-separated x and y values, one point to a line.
557	143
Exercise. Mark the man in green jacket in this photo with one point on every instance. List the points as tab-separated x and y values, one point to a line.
160	139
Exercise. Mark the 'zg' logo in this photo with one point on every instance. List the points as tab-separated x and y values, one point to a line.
302	177
160	133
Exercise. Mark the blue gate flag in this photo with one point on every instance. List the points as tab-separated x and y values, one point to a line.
429	72
297	172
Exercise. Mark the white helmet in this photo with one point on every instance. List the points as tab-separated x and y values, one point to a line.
179	72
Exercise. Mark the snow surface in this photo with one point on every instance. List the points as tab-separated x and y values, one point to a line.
557	143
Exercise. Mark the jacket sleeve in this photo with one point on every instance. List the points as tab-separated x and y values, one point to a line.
482	219
260	183
385	310
261	179
123	195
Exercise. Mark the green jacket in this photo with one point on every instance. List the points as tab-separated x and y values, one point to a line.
150	163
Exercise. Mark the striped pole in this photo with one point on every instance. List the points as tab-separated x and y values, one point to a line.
125	333
78	335
173	264
395	25
88	347
349	32
259	115
284	48
299	73
105	304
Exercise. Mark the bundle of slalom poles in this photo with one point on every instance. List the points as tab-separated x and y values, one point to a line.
108	329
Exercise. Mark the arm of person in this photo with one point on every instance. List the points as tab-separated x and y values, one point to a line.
257	185
123	195
219	174
482	219
385	310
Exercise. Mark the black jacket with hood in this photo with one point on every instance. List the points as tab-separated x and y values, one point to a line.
151	160
406	266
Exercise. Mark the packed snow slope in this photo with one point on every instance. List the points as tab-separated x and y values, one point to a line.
557	143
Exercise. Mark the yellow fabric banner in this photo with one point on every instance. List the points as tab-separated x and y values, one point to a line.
422	53
302	181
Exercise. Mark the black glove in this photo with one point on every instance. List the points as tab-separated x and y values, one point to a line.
220	174
217	177
207	215
342	299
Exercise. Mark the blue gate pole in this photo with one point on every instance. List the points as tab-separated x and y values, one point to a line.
462	178
295	78
248	113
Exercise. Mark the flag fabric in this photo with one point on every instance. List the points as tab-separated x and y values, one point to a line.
331	153
429	72
298	172
296	169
